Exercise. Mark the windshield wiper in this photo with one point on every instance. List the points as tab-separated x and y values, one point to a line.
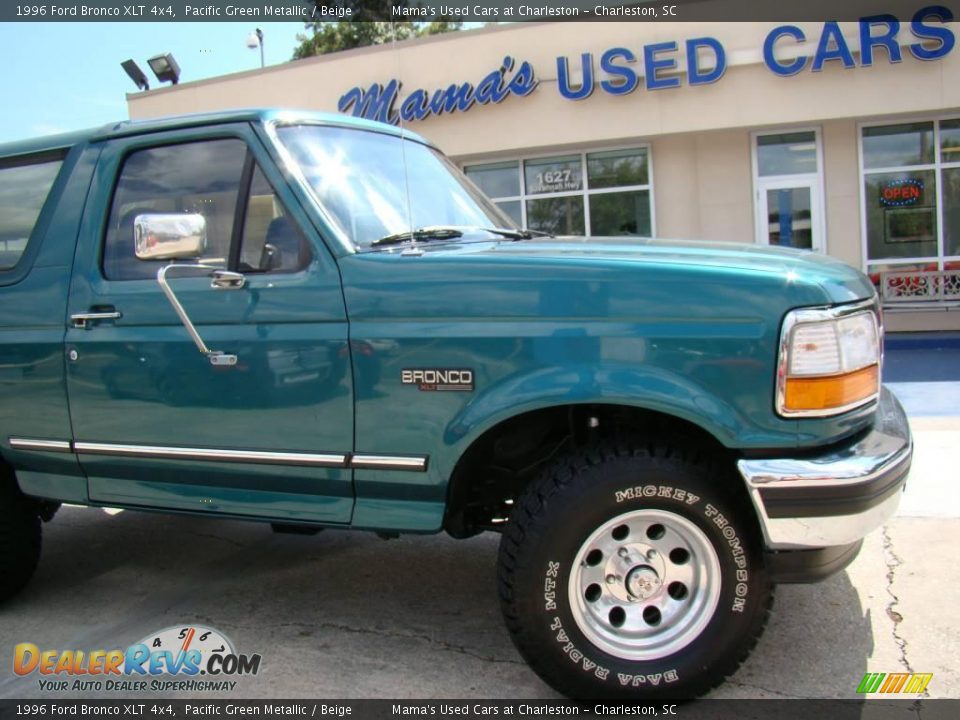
436	232
517	234
444	232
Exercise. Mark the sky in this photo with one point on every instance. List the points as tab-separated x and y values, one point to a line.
61	76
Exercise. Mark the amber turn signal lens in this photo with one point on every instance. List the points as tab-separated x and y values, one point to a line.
835	391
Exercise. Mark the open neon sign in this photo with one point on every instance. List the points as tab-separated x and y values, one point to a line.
901	193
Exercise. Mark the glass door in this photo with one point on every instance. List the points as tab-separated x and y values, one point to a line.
789	214
789	189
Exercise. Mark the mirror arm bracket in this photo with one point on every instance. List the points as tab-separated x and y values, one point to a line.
216	357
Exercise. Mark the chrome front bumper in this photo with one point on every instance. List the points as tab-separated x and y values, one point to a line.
838	497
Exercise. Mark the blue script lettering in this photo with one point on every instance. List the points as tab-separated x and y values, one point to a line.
378	102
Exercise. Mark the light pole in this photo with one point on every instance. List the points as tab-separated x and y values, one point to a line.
255	40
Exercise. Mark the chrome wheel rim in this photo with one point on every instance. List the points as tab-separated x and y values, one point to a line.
644	584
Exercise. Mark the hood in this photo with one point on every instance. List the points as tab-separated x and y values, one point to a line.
594	279
840	282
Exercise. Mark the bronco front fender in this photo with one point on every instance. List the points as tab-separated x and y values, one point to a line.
649	388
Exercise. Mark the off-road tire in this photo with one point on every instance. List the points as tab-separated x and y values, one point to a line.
19	537
557	518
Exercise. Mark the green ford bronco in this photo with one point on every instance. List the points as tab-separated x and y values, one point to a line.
313	320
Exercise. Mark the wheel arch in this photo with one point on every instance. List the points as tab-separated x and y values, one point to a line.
645	388
504	454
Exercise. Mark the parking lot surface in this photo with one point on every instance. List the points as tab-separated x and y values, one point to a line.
348	615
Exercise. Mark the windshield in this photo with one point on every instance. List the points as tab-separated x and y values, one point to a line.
375	185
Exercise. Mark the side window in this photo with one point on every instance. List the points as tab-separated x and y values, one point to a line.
200	177
23	190
271	241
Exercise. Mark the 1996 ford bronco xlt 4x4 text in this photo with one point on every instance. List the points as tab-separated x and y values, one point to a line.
313	320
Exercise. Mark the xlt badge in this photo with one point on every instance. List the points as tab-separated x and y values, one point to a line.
443	379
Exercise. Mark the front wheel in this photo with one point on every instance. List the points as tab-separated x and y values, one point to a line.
633	572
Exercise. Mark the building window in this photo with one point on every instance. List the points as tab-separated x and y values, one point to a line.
789	189
911	206
601	194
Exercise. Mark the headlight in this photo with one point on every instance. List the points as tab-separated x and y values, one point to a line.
829	361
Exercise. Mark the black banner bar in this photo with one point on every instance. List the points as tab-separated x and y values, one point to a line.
143	707
301	11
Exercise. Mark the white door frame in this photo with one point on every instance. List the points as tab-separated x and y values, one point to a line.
774	182
789	182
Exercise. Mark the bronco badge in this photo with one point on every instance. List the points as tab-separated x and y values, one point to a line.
432	379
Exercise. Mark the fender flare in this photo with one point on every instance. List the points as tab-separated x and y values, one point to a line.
646	388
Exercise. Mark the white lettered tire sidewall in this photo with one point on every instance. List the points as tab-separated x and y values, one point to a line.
571	507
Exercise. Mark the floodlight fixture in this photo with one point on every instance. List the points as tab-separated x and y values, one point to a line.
136	74
165	68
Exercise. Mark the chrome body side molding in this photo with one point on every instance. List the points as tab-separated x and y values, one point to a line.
44	445
416	463
388	462
252	456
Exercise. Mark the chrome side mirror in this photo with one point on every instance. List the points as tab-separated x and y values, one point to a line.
171	236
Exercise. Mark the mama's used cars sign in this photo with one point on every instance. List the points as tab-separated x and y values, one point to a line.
706	62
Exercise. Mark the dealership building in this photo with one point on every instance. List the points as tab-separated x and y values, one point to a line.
839	138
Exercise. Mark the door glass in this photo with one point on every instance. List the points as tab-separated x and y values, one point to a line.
789	217
201	177
271	241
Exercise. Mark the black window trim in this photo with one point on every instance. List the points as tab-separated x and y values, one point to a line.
36	158
240	211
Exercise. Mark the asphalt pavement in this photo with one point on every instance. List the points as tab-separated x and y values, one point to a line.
348	615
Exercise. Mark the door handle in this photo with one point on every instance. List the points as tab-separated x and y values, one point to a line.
82	320
227	280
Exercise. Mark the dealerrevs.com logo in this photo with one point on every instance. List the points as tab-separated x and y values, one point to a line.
186	658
